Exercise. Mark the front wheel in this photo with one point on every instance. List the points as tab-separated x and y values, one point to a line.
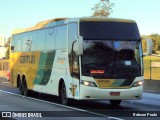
115	102
63	95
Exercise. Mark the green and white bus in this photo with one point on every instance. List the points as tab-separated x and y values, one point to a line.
88	58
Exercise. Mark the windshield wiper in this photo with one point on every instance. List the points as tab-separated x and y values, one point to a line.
89	64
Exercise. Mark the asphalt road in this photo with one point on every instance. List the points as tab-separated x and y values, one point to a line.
148	106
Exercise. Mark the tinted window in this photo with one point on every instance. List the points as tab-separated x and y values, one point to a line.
13	43
40	38
61	36
109	30
73	32
24	38
17	43
113	59
50	39
32	38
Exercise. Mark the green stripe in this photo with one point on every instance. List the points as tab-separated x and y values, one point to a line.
44	67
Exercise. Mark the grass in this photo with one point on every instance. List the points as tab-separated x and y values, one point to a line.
155	72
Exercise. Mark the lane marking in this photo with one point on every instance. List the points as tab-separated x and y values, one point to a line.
151	94
73	108
4	82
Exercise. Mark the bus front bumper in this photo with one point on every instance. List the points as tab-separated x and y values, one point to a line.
95	93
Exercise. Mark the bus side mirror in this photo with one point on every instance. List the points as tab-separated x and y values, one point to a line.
80	45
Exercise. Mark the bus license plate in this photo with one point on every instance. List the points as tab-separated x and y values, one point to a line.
114	93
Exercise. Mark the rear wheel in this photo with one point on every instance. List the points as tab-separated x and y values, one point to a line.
20	87
63	95
25	88
115	102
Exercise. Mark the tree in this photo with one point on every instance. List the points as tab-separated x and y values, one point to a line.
7	45
144	43
156	42
103	8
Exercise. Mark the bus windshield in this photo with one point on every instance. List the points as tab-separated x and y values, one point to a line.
111	59
111	50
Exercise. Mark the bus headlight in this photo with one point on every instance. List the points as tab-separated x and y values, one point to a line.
138	83
88	83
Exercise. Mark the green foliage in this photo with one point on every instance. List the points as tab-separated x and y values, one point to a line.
144	45
7	53
103	8
7	45
156	42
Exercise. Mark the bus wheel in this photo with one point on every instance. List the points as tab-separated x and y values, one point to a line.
25	88
115	102
20	87
63	95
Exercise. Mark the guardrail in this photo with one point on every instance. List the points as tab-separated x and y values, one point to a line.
152	85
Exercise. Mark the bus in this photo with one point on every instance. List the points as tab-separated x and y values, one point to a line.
86	58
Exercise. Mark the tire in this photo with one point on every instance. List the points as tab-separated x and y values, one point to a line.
20	87
63	95
115	102
25	88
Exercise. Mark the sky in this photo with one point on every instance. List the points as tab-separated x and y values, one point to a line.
17	14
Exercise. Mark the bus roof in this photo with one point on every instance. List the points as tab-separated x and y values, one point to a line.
39	25
106	19
60	21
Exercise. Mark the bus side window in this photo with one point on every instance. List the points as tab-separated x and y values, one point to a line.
61	37
73	61
13	44
24	38
40	39
31	41
17	43
50	39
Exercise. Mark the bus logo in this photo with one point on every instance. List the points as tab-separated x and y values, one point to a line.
27	59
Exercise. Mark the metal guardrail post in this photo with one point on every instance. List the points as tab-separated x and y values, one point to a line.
150	69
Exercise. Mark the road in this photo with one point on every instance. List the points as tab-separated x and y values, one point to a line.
10	100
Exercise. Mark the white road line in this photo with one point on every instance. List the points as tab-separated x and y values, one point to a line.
81	110
151	94
5	82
